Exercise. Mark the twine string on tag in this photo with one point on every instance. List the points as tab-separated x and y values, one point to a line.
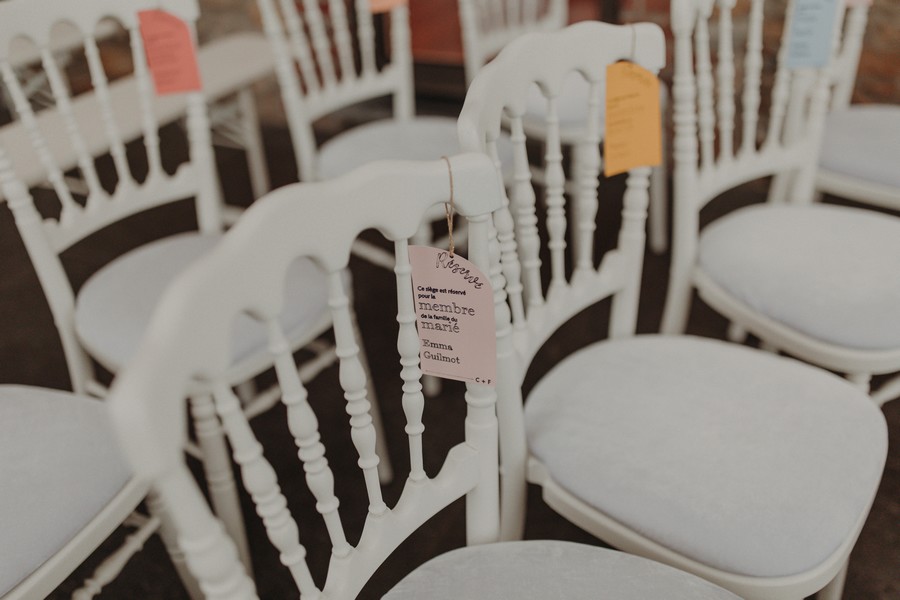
449	208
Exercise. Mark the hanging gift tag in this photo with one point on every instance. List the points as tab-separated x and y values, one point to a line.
454	315
382	6
633	136
811	34
170	52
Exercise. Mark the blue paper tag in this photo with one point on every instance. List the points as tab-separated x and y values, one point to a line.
812	33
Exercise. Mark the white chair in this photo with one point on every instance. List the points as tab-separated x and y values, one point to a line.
190	340
103	322
861	143
227	90
717	459
328	60
487	26
823	287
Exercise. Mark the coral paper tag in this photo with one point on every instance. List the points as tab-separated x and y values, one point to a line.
170	52
633	135
812	33
454	315
382	6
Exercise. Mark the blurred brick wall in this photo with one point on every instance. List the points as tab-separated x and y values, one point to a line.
879	70
220	17
879	67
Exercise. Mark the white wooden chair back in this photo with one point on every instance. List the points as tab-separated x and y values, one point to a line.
190	339
847	60
489	25
47	236
718	147
326	59
498	95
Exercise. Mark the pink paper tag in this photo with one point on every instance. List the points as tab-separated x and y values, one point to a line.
455	317
170	52
381	6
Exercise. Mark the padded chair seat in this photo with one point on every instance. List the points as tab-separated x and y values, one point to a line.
421	138
549	569
115	305
863	141
827	271
742	460
416	139
59	467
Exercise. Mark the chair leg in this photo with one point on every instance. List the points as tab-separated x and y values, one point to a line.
779	188
513	462
835	588
113	564
170	540
861	380
218	472
246	391
678	303
252	140
736	333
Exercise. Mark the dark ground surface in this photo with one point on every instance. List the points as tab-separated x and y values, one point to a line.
30	353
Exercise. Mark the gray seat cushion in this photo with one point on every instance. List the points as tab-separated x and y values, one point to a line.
549	569
864	141
391	139
418	138
115	305
745	461
830	272
59	467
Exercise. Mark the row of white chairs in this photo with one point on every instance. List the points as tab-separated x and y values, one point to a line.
621	436
313	299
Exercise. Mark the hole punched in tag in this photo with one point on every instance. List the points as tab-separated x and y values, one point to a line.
449	208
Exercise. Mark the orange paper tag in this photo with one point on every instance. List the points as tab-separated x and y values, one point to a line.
382	6
170	52
633	137
455	317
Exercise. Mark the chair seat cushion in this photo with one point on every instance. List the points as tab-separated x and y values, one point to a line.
420	138
59	467
742	460
829	272
863	141
114	306
415	139
549	569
